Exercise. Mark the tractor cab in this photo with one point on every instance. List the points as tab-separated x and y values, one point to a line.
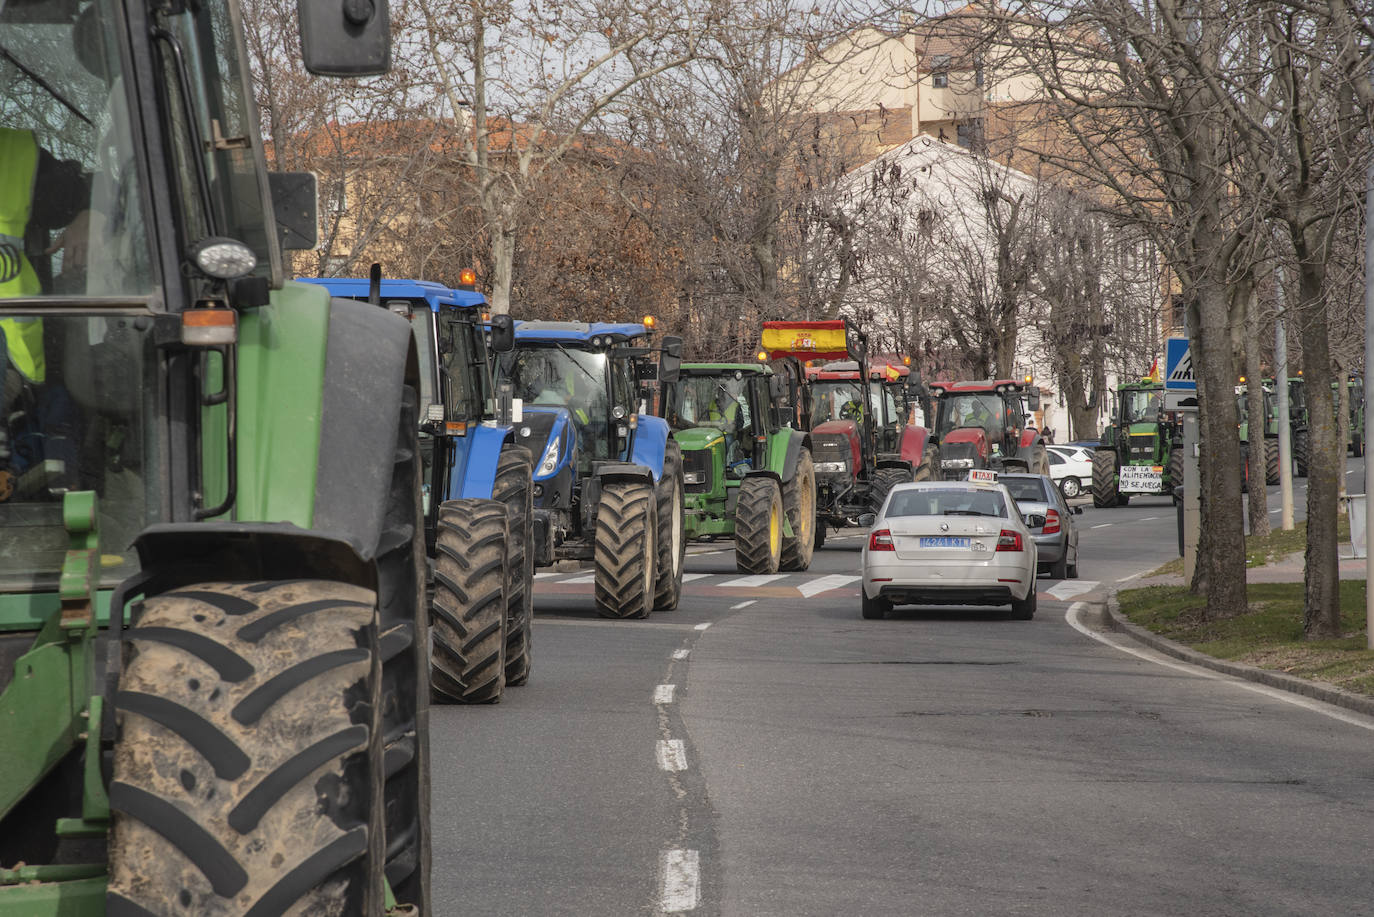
988	424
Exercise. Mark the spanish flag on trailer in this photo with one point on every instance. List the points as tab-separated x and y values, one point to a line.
805	340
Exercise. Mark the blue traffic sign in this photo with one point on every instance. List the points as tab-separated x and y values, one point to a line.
1178	366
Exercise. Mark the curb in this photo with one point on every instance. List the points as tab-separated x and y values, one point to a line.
1109	613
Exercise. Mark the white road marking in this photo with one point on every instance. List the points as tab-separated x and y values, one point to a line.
663	694
824	584
1126	645
681	654
672	756
741	605
762	579
1102	525
1070	588
545	574
702	626
584	578
688	577
1148	519
681	881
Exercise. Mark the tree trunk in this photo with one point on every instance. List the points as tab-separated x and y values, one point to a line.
1257	504
1220	571
1325	459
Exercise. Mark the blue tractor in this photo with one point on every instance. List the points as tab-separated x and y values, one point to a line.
608	484
476	490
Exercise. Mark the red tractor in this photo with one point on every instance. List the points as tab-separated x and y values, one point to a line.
987	424
853	472
891	392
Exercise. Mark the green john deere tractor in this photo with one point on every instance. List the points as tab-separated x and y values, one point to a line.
214	650
747	474
1140	452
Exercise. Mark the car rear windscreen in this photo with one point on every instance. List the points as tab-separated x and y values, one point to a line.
947	502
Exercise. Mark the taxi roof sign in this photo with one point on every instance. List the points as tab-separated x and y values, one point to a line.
982	476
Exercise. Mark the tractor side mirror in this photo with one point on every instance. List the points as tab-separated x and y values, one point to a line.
295	203
670	361
345	37
1033	399
502	333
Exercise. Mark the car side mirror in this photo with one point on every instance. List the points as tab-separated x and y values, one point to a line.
502	333
1078	510
867	519
1035	520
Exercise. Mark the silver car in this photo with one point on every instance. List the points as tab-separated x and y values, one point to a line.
1051	521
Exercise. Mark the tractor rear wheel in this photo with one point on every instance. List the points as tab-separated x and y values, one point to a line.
758	525
626	530
1301	446
1271	461
883	481
404	643
248	767
514	469
799	503
672	545
469	605
1105	492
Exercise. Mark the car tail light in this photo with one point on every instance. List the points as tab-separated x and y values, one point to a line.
1051	523
880	540
1007	540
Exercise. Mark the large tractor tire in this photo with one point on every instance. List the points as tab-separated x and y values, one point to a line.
672	540
469	607
758	526
1105	493
1175	468
626	550
883	481
514	468
799	504
404	643
248	773
1271	461
1302	444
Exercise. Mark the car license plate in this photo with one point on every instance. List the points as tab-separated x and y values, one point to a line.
943	541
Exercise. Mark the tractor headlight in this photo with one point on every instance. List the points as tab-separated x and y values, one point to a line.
832	467
694	477
549	461
956	463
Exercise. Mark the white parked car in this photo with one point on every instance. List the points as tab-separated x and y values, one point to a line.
1071	469
949	543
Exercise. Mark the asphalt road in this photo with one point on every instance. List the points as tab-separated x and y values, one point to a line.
764	751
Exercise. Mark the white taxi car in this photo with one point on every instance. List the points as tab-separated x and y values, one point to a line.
949	543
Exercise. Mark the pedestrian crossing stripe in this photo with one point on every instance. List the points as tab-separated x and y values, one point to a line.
804	585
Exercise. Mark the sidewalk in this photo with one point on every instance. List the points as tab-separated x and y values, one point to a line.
1288	569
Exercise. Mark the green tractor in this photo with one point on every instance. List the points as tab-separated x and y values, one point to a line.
747	474
1355	443
1299	436
214	650
1140	451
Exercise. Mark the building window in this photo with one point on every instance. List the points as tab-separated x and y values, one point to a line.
939	71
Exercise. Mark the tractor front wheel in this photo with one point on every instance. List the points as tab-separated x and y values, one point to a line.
514	469
1105	493
883	481
758	526
1301	446
799	503
248	767
469	605
1271	461
672	545
626	530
